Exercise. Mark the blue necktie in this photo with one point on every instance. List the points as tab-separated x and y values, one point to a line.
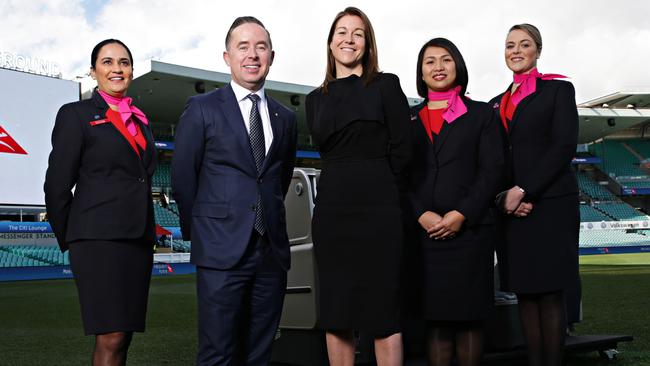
259	151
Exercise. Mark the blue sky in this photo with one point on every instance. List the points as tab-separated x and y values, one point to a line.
92	9
603	46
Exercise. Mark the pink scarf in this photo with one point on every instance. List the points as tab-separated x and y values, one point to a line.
528	83
126	110
455	106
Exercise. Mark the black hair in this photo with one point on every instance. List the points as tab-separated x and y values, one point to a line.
243	20
98	47
461	70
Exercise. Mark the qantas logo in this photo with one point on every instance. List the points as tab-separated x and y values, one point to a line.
9	145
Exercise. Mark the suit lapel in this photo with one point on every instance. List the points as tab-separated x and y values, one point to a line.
103	111
524	102
445	131
148	157
233	117
277	126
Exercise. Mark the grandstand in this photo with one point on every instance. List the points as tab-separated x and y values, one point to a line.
32	255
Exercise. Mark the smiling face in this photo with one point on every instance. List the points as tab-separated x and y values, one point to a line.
348	45
113	69
438	69
249	55
521	52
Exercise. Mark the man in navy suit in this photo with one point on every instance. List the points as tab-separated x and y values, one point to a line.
233	162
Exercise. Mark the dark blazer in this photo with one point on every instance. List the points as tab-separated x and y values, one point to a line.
462	170
216	184
112	184
541	141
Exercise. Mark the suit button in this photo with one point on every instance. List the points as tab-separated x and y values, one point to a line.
141	180
259	180
253	207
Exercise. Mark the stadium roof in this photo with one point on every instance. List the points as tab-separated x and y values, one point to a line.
613	113
162	91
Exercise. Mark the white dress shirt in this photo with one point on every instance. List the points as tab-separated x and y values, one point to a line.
245	105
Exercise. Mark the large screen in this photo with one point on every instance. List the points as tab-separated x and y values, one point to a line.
28	107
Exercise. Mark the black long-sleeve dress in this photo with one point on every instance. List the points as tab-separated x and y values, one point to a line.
363	135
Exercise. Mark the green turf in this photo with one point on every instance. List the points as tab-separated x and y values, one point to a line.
40	322
616	259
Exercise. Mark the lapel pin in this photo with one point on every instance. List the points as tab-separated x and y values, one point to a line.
276	114
96	116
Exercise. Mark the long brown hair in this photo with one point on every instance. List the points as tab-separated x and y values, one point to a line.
369	61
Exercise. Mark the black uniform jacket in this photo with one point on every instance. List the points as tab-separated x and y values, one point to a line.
462	169
111	181
541	141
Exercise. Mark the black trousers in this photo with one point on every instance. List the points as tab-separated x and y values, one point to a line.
240	308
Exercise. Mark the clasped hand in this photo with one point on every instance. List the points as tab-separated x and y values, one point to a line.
513	204
441	227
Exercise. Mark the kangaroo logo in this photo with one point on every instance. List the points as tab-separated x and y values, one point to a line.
9	145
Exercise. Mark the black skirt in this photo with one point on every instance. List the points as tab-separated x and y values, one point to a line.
541	250
458	283
112	279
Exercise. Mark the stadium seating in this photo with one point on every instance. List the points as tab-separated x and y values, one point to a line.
32	255
635	184
611	238
593	189
590	214
162	176
617	160
621	211
641	146
182	246
165	217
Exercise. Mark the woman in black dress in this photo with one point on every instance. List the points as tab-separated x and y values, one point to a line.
540	119
456	171
359	119
103	147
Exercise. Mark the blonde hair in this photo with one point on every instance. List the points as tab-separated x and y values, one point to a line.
532	31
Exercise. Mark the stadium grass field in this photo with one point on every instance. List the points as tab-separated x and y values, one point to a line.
40	322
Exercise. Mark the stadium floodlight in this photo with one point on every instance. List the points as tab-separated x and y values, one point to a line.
605	105
630	106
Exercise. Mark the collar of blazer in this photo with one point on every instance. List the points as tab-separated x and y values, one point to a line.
102	109
444	132
524	102
230	107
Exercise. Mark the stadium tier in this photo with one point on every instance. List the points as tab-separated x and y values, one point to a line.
162	176
621	211
32	255
165	217
593	189
182	246
641	146
618	161
611	238
590	214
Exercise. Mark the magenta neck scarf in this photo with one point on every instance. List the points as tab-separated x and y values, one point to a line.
126	110
528	83
455	106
